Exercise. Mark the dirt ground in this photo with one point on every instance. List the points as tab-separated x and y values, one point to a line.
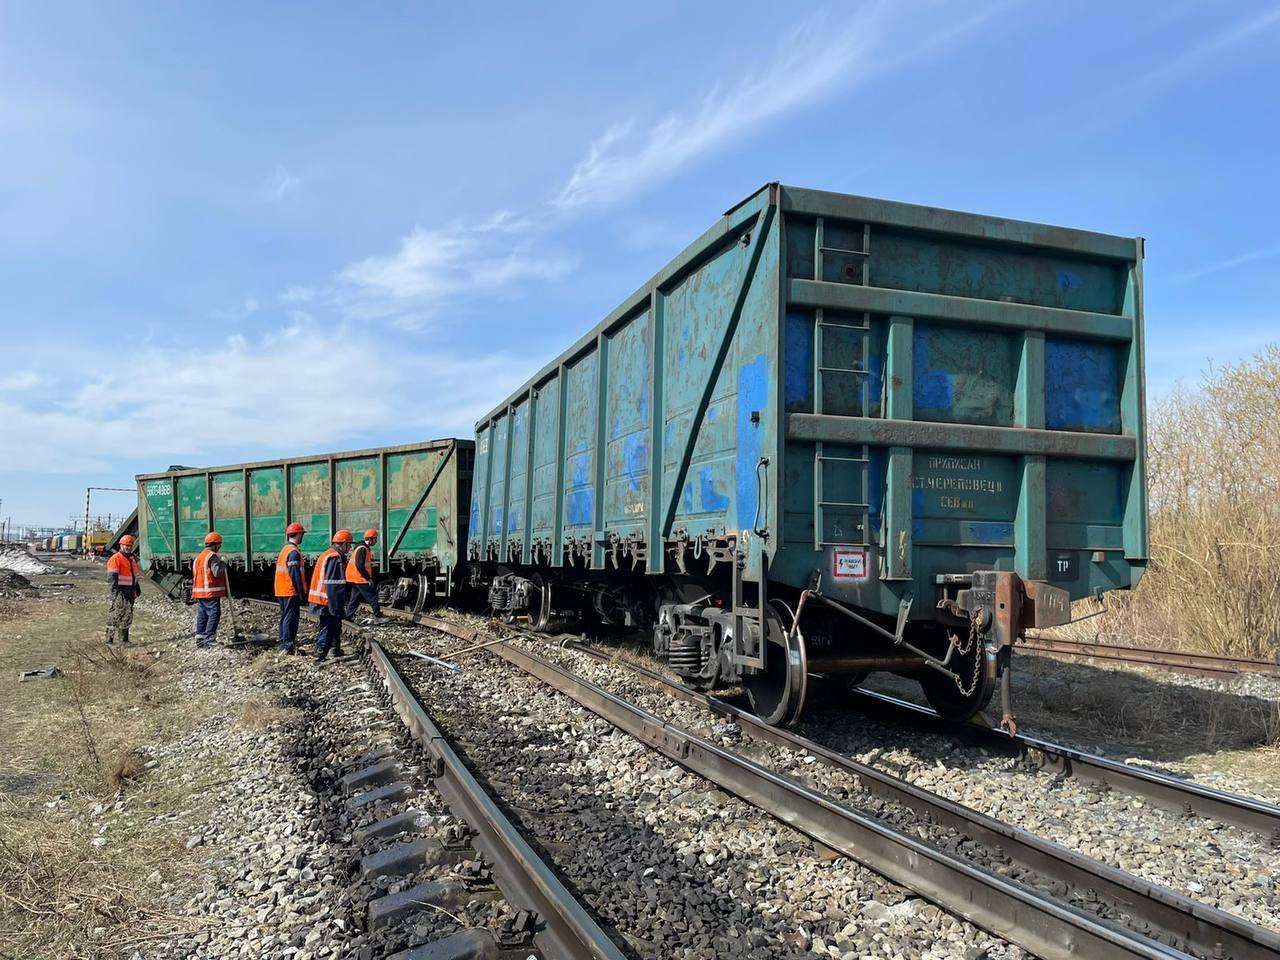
91	844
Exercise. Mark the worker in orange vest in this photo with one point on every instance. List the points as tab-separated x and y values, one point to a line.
360	577
208	587
328	595
291	585
124	576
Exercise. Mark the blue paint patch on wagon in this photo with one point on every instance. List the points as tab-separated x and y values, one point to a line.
712	499
933	389
984	531
753	396
580	506
635	459
1083	384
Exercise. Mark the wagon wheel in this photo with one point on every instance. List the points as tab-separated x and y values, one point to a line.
961	701
777	693
542	620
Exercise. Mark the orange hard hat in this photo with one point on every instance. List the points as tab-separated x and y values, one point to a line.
342	536
293	528
127	541
371	534
212	537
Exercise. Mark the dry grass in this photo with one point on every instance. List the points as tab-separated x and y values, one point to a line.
73	770
1213	474
259	715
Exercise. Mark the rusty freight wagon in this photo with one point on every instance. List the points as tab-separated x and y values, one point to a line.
415	495
835	435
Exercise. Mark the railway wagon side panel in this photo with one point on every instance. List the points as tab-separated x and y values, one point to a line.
427	493
963	393
311	502
229	511
193	513
679	382
155	520
358	494
409	494
267	513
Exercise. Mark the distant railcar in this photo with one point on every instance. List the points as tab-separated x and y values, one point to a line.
835	435
414	495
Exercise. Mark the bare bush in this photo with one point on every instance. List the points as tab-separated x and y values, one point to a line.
1213	474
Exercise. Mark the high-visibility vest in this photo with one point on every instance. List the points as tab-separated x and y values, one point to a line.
204	585
319	592
353	572
284	582
125	567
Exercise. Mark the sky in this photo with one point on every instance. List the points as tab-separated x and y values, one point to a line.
239	231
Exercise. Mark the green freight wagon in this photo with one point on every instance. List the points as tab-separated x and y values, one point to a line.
834	435
414	495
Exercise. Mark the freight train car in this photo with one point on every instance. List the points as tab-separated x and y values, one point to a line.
414	495
835	435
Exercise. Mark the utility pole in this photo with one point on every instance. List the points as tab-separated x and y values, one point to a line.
88	492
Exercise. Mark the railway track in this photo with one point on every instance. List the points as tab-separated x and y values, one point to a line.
559	925
1160	922
548	920
1199	664
1168	792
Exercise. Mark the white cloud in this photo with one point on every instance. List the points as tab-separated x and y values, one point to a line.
282	183
495	256
298	294
19	381
1253	256
1198	55
299	389
818	58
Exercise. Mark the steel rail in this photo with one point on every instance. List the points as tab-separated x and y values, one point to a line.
526	881
1170	792
1036	921
1201	664
1166	791
1179	918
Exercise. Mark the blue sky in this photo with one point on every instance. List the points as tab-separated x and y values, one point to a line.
238	231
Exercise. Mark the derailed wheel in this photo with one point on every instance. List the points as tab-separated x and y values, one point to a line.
962	701
777	694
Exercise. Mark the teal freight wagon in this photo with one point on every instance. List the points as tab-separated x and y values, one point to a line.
834	435
414	495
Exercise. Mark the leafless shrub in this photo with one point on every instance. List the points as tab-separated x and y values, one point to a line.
1213	474
127	766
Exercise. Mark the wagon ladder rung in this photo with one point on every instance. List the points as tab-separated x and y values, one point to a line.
826	459
854	370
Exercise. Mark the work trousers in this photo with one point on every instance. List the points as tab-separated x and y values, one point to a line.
119	617
290	610
365	592
208	614
329	635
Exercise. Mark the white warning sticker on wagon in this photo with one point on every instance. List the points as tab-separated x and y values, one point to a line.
849	564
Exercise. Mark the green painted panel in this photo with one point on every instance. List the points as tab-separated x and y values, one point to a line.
266	511
311	498
359	495
407	476
157	508
193	514
228	511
